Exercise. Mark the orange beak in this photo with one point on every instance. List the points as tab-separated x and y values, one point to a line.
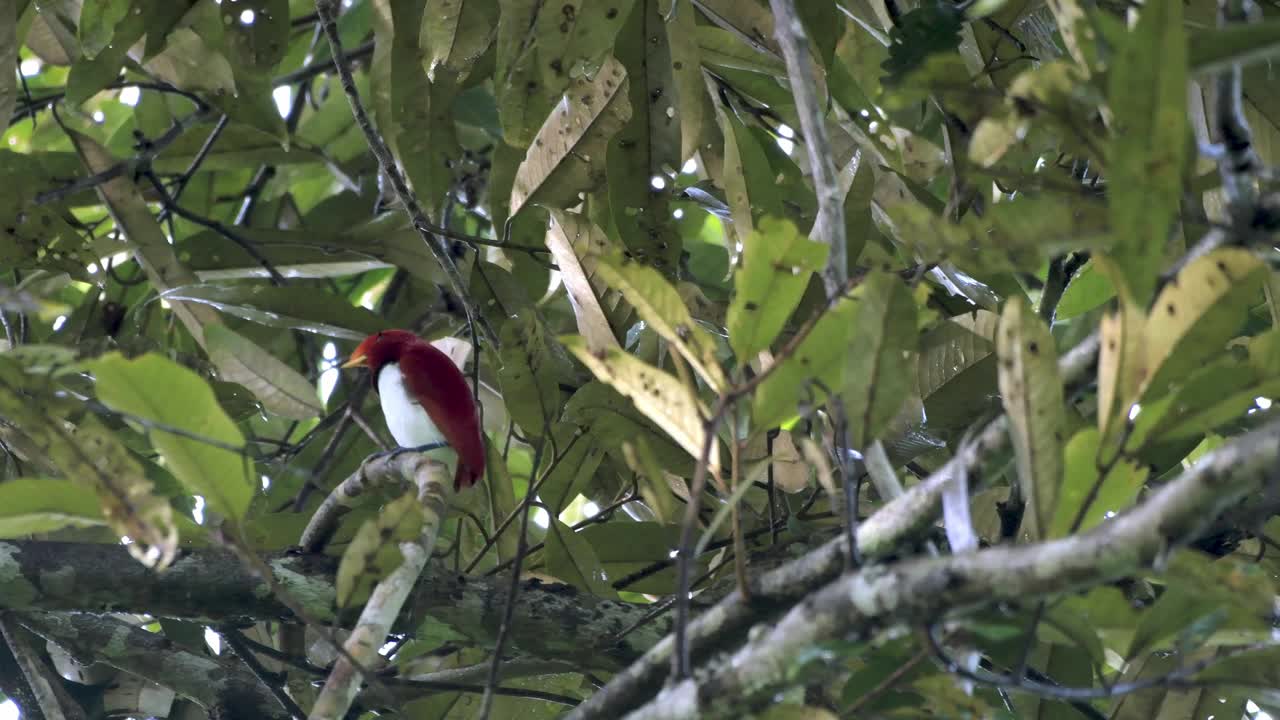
357	360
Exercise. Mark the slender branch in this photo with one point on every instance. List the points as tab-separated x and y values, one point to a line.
386	161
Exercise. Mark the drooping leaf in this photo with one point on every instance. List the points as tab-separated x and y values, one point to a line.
40	505
882	343
281	389
571	558
156	389
1148	97
1032	394
657	394
297	308
660	306
575	244
776	266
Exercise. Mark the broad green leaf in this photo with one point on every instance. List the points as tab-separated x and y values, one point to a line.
533	368
749	183
98	22
40	505
660	306
1215	50
1083	484
191	63
1148	98
1032	394
111	34
816	367
1076	629
1197	313
689	91
94	456
751	23
156	389
280	388
777	262
571	558
298	308
499	492
881	344
1088	290
568	152
455	33
256	32
661	397
374	552
956	368
726	50
613	420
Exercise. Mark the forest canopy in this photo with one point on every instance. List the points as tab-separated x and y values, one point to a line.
833	359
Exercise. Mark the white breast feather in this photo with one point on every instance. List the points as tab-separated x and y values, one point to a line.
408	422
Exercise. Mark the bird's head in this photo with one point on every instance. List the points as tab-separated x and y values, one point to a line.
379	349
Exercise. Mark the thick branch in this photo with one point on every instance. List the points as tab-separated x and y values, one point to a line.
213	586
220	685
923	589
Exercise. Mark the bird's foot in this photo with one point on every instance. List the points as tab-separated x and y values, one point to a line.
393	454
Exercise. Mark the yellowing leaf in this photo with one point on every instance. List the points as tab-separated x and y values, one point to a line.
660	306
657	394
575	243
154	388
374	552
777	262
1032	395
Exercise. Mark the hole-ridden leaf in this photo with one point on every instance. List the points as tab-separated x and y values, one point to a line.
374	552
1197	313
1148	98
659	304
154	388
296	308
571	558
1082	484
40	505
575	244
281	389
882	343
776	266
568	153
1032	393
533	368
94	456
657	394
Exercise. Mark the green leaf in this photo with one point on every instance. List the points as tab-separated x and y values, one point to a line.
956	369
297	308
1148	98
97	26
1088	290
569	149
1032	394
749	183
1083	484
777	262
260	44
455	33
571	558
882	343
374	552
159	390
817	363
533	367
8	56
40	505
663	310
280	388
1215	50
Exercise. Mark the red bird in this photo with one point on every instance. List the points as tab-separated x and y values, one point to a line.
425	398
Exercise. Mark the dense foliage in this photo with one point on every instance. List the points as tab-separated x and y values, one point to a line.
986	289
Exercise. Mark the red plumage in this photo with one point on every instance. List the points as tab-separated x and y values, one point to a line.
437	384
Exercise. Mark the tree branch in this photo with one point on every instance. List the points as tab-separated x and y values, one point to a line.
923	589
